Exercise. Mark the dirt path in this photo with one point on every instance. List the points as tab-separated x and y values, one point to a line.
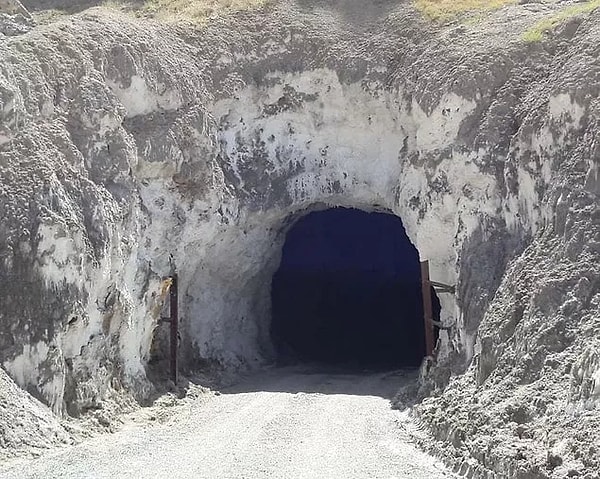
285	423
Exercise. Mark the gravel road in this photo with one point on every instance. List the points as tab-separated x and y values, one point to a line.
284	423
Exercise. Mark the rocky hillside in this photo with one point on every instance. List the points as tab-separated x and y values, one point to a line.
26	425
130	145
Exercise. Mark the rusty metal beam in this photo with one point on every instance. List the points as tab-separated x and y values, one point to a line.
174	327
427	308
443	288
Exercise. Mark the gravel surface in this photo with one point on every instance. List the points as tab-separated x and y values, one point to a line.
288	423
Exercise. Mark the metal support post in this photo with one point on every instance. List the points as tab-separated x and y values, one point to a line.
174	327
427	308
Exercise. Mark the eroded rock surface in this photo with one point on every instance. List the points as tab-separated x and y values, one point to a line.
26	425
14	18
129	146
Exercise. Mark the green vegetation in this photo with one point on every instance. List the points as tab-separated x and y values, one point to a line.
536	33
445	9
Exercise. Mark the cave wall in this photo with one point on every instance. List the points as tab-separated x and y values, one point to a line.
128	147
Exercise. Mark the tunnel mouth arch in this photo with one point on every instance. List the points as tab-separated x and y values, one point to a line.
348	292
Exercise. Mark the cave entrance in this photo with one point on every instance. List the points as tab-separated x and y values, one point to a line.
348	292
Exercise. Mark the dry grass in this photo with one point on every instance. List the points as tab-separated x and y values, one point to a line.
445	9
199	10
173	10
536	33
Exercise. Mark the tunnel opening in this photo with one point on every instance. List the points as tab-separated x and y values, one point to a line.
348	292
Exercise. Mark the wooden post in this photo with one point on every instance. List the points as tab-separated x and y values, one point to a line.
427	308
174	323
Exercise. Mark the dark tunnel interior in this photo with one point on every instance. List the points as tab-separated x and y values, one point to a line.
348	292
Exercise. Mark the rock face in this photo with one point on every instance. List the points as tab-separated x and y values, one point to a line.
14	18
127	147
13	7
26	425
